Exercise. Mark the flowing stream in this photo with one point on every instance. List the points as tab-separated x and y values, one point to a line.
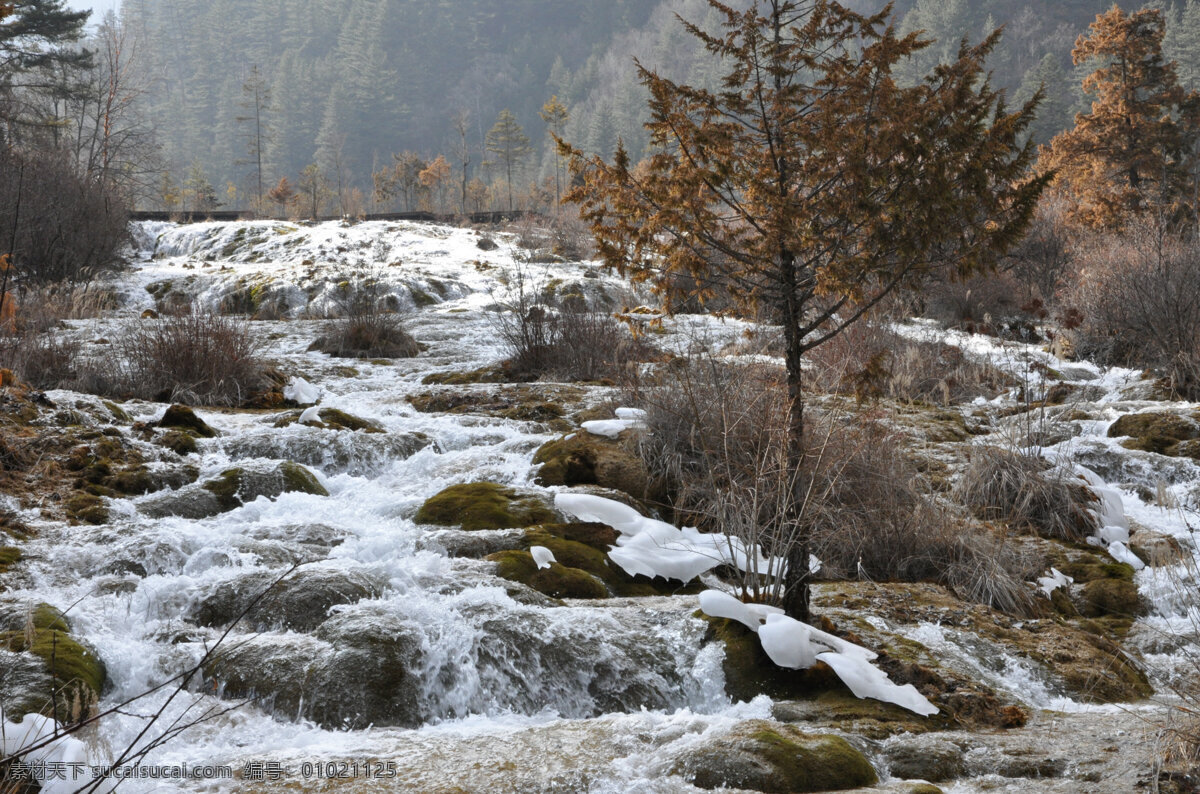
430	670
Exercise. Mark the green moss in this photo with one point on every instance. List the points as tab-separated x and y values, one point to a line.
132	481
483	505
88	508
178	441
296	478
777	759
557	581
78	673
46	616
827	763
118	413
226	487
340	420
9	556
181	417
1115	597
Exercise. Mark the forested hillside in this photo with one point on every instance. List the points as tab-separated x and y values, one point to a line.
346	84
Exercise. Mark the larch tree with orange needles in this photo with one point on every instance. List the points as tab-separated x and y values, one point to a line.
811	185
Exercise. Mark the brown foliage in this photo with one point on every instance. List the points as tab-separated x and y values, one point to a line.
1135	150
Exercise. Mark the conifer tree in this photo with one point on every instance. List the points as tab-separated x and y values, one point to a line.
1134	151
555	114
510	144
812	185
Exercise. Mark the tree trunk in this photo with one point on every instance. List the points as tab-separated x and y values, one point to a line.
795	583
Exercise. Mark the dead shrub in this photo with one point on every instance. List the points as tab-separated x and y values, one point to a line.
717	435
365	328
43	359
1028	493
990	303
548	336
1138	298
195	358
871	361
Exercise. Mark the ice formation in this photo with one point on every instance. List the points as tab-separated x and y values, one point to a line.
300	391
1053	581
542	556
796	645
311	415
652	548
655	548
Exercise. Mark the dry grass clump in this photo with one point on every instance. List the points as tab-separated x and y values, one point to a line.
1027	493
718	438
871	361
195	358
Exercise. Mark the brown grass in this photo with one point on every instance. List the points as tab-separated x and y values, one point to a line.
1026	492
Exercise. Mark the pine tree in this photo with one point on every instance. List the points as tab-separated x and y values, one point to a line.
555	114
39	66
812	185
510	144
1053	115
1134	151
256	101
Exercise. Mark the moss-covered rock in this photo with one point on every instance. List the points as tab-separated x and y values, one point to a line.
75	673
87	508
181	417
586	459
485	505
178	441
1154	432
9	556
1156	549
334	419
300	602
585	546
237	486
556	581
776	759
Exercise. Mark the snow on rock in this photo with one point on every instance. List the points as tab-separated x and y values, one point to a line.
301	391
795	645
627	419
1121	553
33	729
311	416
723	605
652	548
867	681
1053	581
542	556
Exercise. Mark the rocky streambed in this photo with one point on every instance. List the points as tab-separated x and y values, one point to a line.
356	593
